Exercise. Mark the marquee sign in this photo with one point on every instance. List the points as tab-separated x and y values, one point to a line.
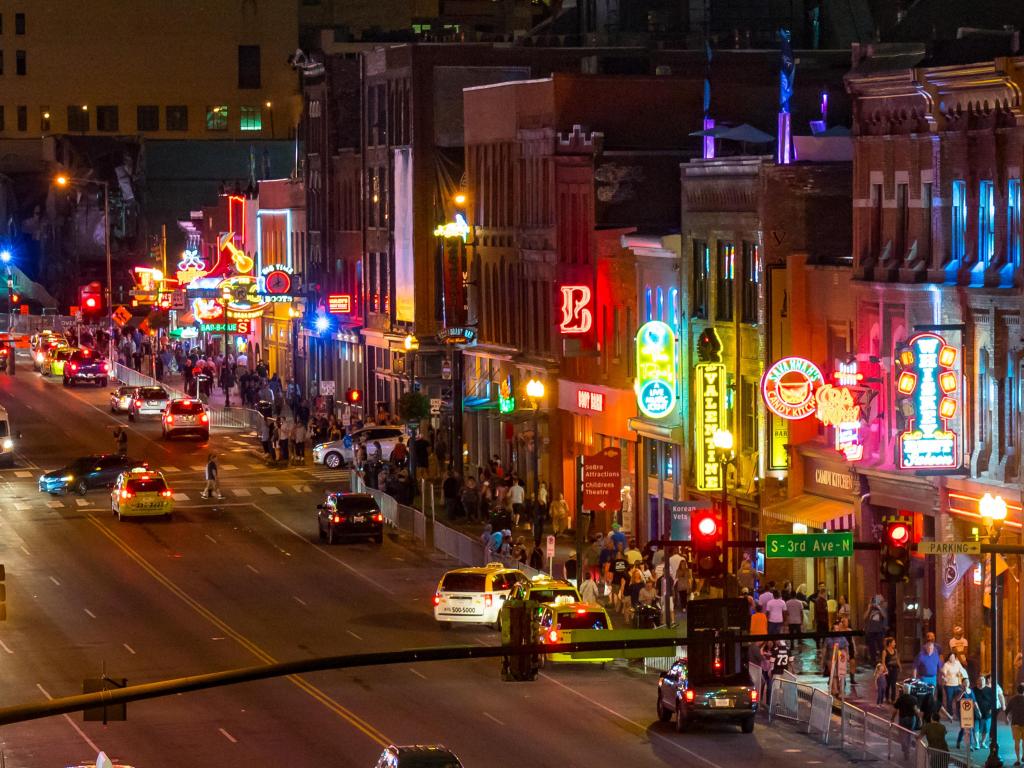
207	310
458	228
836	407
339	303
789	386
709	401
928	382
657	379
239	326
577	316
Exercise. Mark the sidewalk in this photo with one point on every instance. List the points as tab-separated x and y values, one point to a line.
806	667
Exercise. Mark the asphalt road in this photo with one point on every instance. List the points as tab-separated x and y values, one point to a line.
246	581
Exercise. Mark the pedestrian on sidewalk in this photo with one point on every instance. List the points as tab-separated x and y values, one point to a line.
569	569
985	696
758	621
881	678
589	591
1015	717
450	491
540	515
905	708
890	659
964	699
683	584
284	437
934	733
953	675
517	497
776	610
875	624
299	433
821	616
746	576
795	617
927	664
212	478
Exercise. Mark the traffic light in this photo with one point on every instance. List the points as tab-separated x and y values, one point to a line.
354	396
91	301
895	560
707	535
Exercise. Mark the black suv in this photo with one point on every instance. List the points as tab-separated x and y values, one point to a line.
353	515
86	365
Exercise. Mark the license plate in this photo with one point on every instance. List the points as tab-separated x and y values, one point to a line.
461	609
358	519
721	702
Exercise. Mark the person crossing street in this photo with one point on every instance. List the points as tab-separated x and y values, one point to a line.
212	478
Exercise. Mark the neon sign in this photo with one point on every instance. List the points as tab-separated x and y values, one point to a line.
506	396
276	283
656	381
929	384
710	403
243	263
788	387
590	401
339	303
207	309
837	408
577	316
454	229
190	266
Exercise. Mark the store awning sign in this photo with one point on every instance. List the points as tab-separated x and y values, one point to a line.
928	386
657	378
710	404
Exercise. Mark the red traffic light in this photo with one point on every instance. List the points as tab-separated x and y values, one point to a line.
898	534
354	396
707	526
91	302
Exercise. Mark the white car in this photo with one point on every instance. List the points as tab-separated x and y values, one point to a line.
340	452
475	595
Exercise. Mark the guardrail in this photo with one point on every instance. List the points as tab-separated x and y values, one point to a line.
872	737
132	378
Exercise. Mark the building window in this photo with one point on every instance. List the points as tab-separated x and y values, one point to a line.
1013	221
44	119
902	210
1	117
875	223
751	281
106	118
20	67
147	118
748	420
249	66
958	235
726	272
19	23
252	119
78	117
176	118
1	62
217	118
22	118
701	270
986	222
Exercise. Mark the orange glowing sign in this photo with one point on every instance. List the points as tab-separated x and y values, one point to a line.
577	317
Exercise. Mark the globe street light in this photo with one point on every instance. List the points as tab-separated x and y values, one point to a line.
724	444
993	513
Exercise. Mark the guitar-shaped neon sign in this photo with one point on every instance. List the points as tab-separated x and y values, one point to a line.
243	263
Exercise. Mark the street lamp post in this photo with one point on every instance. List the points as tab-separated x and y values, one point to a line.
993	512
411	344
63	180
726	455
535	391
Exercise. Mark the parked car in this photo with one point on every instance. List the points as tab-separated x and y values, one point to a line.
340	452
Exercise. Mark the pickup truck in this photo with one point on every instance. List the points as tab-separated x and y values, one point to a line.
86	365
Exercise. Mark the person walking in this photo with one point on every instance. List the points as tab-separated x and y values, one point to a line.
517	497
927	664
299	433
875	625
985	696
540	515
953	675
450	492
963	695
821	615
1015	717
795	616
682	585
776	610
559	515
934	733
905	708
212	478
890	659
121	438
589	591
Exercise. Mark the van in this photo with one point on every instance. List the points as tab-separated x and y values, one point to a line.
475	595
6	439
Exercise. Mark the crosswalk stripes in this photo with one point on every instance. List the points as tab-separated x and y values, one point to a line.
21	506
198	467
302	489
180	497
332	475
169	469
81	502
241	492
22	473
271	490
55	504
228	466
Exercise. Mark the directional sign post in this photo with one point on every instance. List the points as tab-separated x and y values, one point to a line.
779	545
949	547
602	480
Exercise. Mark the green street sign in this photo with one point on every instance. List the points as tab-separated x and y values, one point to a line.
781	545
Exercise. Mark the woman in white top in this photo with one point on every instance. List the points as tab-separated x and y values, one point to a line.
952	673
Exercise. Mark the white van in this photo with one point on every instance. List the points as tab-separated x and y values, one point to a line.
6	439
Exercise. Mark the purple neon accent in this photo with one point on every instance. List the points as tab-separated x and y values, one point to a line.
709	141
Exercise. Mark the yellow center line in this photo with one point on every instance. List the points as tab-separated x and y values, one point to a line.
305	686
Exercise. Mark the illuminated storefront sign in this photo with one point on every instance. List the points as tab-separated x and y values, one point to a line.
577	316
836	407
506	396
460	334
206	310
458	228
241	296
339	304
928	382
710	403
276	283
656	369
788	387
590	401
236	327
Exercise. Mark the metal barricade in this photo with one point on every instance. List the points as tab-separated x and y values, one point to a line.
820	717
926	757
132	378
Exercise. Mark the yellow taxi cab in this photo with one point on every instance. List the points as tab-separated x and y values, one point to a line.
561	620
141	492
475	595
544	589
56	359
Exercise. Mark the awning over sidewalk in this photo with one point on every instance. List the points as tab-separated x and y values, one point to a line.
813	511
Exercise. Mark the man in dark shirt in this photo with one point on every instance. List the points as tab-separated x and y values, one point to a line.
1015	716
450	489
935	733
905	707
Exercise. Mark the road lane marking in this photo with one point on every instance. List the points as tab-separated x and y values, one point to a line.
311	690
228	466
170	469
4	646
417	673
27	553
130	649
181	497
210	538
93	615
59	504
89	742
199	467
241	492
54	580
252	569
271	490
302	489
82	502
21	506
325	553
357	637
641	729
228	736
792	750
22	473
299	600
489	716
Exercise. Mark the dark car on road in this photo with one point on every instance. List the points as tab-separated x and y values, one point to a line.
350	515
714	694
185	417
418	757
85	365
87	472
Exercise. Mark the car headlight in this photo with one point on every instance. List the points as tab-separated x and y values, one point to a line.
67	478
8	444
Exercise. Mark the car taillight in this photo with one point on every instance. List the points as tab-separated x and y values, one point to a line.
74	366
378	517
126	494
488	600
437	598
170	418
581	611
166	494
689	695
138	403
335	518
753	696
553	636
717	665
204	418
106	367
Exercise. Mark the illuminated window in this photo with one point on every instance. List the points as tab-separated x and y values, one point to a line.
217	118
78	117
106	119
726	274
958	236
1013	222
986	222
748	413
176	118
701	269
252	119
44	119
147	118
751	281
